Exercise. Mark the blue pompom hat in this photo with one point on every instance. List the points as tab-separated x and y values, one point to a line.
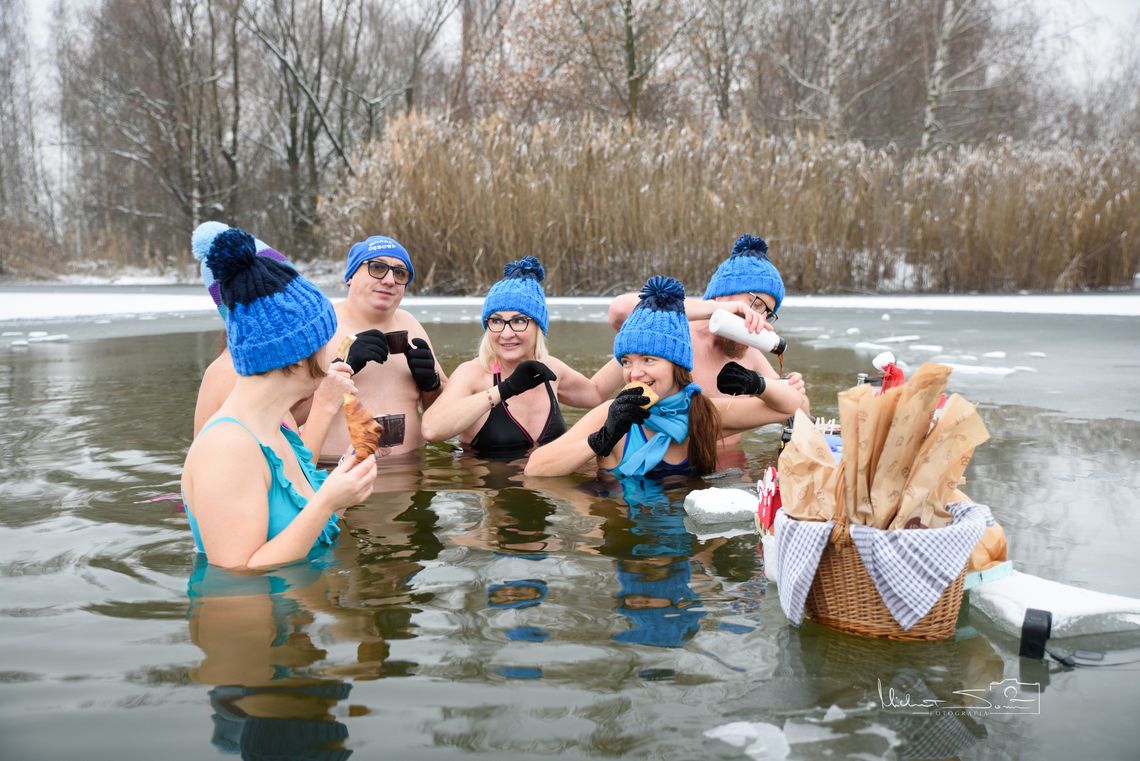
520	290
657	325
200	241
374	248
276	317
747	269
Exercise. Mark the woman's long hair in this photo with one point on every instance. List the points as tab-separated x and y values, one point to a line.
704	426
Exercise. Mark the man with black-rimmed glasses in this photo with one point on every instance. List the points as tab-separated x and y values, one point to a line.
377	275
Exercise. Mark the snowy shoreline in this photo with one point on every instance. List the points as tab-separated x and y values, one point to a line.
25	304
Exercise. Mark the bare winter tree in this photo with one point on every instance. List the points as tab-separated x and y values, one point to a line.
717	39
978	49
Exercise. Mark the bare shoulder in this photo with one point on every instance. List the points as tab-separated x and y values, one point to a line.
224	445
469	376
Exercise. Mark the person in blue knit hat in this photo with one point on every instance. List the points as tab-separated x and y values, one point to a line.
661	423
748	285
514	364
391	357
219	377
252	495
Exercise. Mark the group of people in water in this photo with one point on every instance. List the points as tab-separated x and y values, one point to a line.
268	417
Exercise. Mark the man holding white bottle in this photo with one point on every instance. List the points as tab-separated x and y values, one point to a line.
748	285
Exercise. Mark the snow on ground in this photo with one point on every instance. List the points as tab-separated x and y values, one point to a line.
45	304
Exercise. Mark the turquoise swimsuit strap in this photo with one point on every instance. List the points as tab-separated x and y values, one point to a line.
228	419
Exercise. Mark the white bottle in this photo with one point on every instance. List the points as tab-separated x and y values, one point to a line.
731	326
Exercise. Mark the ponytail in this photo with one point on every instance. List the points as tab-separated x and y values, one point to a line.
704	426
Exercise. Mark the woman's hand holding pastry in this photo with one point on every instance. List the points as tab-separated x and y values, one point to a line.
334	386
349	484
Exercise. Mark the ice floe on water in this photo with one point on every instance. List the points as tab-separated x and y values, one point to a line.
853	331
926	348
994	355
979	369
899	339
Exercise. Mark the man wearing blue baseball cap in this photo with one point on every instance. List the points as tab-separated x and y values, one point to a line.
377	275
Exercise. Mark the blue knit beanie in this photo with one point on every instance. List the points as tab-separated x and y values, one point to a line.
658	326
520	290
374	248
276	317
747	269
200	241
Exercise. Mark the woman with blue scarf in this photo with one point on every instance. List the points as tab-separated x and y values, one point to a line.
677	434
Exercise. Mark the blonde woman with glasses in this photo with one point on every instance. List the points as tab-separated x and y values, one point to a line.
514	364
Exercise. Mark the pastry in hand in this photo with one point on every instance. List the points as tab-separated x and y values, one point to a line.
645	391
342	349
363	430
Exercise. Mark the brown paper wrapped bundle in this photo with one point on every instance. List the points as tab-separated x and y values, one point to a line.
811	484
363	430
990	550
853	427
939	465
908	429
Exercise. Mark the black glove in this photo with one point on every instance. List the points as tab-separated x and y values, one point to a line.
736	379
627	409
422	364
369	346
526	376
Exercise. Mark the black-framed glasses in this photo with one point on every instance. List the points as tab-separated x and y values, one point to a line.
763	309
518	323
380	270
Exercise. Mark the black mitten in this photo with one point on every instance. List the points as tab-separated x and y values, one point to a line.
526	376
736	379
422	364
369	346
627	409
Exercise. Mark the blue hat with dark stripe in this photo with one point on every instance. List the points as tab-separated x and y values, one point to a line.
200	241
747	270
520	290
658	326
276	317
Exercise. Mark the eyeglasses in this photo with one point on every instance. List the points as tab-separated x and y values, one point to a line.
757	304
518	323
380	270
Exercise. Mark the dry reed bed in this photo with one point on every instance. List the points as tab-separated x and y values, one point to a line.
604	207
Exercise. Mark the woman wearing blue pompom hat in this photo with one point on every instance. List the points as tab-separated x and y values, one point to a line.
513	364
253	497
629	435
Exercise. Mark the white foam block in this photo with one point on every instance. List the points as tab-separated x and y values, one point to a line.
721	505
1075	611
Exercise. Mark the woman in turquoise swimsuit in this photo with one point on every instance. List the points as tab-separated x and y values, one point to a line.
513	364
678	434
252	495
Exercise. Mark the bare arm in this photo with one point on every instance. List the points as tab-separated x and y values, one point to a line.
775	404
461	404
620	309
568	452
232	509
217	383
325	404
579	391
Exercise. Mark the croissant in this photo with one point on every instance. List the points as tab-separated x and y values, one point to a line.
645	391
363	430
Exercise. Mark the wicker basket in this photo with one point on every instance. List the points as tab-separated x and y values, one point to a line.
843	597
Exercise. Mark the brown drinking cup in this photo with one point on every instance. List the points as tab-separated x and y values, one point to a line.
397	342
393	433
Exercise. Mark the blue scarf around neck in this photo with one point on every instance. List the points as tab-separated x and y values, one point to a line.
669	418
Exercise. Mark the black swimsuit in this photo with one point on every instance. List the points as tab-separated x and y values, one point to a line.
503	436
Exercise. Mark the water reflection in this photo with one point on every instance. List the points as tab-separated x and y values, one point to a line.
255	632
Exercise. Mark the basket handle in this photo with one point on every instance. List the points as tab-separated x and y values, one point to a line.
840	537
